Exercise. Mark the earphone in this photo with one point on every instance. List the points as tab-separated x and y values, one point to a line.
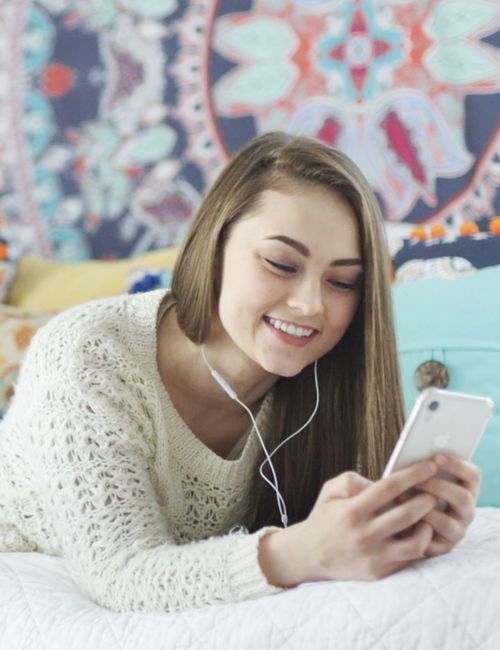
274	483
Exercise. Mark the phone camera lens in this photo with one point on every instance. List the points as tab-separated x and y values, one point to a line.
433	406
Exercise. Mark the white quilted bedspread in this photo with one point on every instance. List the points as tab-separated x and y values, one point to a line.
451	602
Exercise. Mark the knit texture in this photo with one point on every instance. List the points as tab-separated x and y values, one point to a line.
97	466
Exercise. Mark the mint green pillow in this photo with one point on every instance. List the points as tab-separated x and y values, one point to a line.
456	322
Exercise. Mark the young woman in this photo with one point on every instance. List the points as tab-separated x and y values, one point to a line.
133	444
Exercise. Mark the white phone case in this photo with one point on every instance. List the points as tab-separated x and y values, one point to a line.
441	421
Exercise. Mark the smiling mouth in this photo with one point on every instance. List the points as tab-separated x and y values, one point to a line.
292	330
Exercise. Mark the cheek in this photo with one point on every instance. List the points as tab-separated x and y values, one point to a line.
239	295
247	287
341	313
228	302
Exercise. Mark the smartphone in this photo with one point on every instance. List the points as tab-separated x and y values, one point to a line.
441	421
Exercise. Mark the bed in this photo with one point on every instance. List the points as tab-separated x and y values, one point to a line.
450	602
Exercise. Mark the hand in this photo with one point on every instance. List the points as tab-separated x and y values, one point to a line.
451	525
350	534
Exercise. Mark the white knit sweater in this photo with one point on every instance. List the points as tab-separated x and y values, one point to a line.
97	466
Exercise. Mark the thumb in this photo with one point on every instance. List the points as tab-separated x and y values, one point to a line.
344	486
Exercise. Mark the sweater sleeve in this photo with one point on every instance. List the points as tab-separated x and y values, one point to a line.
94	455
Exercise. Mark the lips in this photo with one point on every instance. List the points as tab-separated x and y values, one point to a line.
290	333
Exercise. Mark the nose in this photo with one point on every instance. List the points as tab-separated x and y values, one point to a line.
306	297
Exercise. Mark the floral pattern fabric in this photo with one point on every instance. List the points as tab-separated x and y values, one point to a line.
117	115
16	331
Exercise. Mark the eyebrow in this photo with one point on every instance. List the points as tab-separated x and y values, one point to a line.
303	250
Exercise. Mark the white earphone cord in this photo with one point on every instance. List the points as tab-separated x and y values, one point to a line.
274	483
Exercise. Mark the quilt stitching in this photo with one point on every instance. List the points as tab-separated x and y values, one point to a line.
194	633
335	615
285	638
21	585
401	618
485	550
439	594
420	604
365	623
106	616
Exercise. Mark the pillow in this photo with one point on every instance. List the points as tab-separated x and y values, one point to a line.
448	336
140	280
6	276
45	285
16	329
432	253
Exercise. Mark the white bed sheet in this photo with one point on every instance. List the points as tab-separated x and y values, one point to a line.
451	602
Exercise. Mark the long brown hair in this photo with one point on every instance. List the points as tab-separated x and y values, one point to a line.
361	407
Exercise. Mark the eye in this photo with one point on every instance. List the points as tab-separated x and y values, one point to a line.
344	286
285	268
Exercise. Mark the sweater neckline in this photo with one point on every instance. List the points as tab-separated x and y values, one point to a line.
188	448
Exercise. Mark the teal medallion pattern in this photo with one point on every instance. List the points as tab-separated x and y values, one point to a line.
117	114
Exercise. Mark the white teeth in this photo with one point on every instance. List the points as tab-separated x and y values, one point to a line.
300	332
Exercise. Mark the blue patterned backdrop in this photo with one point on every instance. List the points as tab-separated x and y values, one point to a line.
117	114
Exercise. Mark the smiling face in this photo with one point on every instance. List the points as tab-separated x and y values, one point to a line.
291	278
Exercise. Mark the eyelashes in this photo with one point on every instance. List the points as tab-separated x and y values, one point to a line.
282	267
290	270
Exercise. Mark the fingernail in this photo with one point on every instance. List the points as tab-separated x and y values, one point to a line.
441	460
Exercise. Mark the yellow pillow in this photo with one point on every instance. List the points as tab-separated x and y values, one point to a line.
16	329
41	284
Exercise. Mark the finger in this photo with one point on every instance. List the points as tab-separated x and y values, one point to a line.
467	473
393	521
411	547
388	569
438	546
459	498
446	527
386	490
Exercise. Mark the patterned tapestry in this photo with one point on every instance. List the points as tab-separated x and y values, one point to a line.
115	115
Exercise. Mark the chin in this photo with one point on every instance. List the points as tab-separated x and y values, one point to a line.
283	369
